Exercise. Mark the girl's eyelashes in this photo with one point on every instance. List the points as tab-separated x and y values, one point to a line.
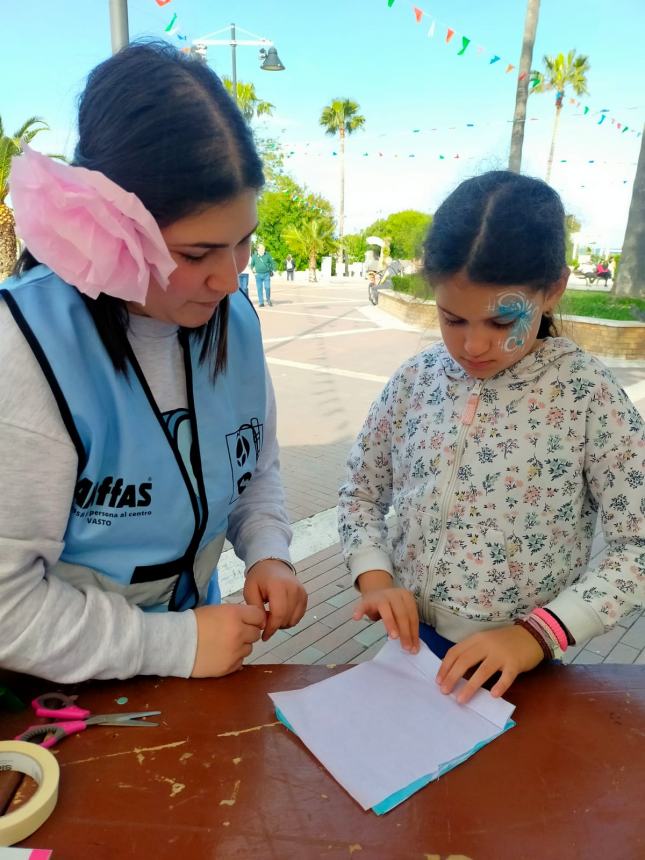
495	323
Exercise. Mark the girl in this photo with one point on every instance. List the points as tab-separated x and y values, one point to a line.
496	449
132	441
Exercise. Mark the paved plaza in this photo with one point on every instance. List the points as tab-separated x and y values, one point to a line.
330	353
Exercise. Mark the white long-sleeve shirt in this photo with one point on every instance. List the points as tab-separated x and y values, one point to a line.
48	627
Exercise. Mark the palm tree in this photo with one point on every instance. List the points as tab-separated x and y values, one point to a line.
630	280
10	146
248	101
522	92
341	117
311	240
559	73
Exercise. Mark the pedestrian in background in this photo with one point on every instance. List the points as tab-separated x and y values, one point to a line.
263	267
290	267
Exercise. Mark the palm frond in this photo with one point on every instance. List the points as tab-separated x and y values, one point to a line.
24	128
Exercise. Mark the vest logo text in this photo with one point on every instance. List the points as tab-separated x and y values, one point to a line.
112	493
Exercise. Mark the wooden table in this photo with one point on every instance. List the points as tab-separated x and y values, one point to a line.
221	779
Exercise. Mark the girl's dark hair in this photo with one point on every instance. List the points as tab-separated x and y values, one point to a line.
160	124
500	228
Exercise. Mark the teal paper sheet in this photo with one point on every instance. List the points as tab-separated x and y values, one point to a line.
402	794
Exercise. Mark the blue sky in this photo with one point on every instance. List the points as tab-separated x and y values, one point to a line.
403	80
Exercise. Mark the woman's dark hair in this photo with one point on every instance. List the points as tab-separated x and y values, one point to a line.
500	228
160	124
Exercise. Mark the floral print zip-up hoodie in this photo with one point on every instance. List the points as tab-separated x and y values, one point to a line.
496	485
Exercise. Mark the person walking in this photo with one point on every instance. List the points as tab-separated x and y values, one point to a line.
262	266
290	267
243	279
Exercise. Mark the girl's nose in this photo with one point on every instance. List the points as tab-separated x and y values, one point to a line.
476	343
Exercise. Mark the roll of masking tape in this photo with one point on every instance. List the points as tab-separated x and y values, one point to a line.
42	767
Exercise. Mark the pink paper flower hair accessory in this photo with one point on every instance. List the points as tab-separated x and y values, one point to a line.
88	230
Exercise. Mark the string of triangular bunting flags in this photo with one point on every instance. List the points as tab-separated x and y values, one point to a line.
495	59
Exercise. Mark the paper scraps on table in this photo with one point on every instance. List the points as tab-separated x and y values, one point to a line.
383	729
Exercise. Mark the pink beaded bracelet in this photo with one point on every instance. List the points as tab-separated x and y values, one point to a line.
553	626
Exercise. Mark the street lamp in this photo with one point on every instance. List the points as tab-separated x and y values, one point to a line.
268	53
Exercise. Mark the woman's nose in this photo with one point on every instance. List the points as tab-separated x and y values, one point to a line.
223	279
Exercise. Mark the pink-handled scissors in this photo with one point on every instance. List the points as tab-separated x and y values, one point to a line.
71	719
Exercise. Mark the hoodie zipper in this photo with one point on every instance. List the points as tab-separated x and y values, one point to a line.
467	418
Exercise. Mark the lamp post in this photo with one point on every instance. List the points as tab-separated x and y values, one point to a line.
270	62
119	24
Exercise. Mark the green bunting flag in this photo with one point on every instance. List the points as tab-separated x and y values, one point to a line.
390	3
171	25
465	41
586	111
495	59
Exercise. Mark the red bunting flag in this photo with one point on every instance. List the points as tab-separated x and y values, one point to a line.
449	34
418	14
509	68
523	75
162	2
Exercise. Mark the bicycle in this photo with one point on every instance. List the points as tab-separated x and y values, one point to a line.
382	278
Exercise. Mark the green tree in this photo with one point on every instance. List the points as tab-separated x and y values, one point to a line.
405	231
272	155
561	72
248	101
630	278
341	117
288	204
10	147
355	247
312	240
571	225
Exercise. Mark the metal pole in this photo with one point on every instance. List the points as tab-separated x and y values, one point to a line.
234	78
119	24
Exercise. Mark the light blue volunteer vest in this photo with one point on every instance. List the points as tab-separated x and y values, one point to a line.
138	524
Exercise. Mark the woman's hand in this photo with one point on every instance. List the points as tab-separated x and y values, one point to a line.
509	650
395	606
225	636
272	581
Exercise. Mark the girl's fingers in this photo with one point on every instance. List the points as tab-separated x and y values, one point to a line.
504	683
405	621
457	665
483	673
391	628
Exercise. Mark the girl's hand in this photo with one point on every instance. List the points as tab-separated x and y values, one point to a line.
395	606
509	650
272	581
225	636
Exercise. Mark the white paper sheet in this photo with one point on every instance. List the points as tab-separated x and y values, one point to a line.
384	724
